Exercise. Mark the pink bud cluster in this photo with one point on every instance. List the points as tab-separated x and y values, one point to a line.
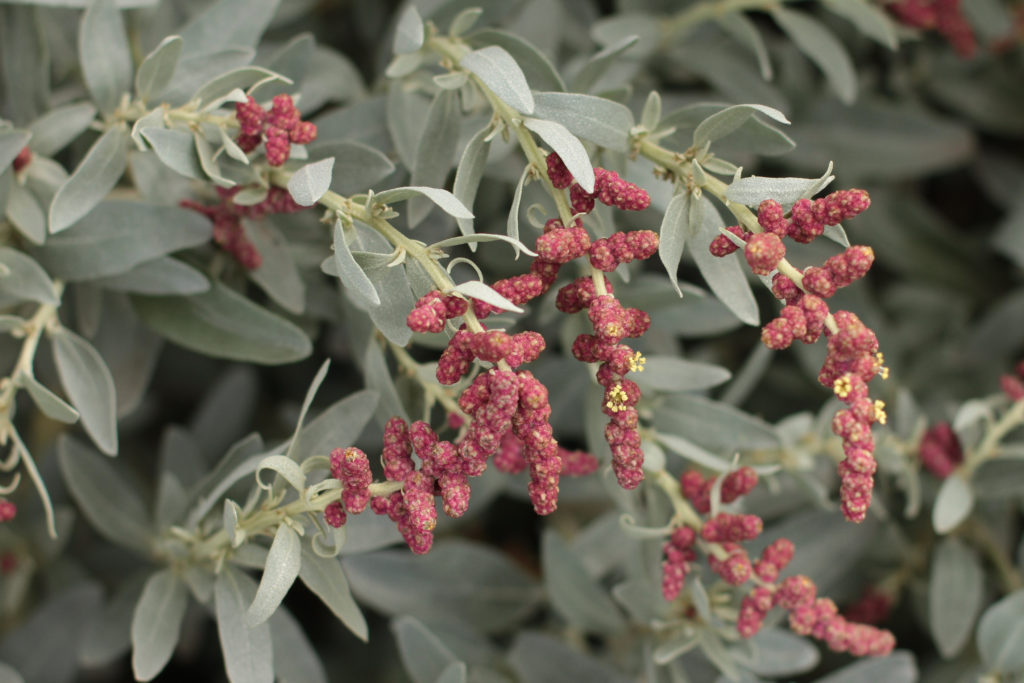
812	616
853	358
697	490
1012	385
612	322
556	247
433	309
227	220
510	458
23	159
940	450
609	188
491	346
728	528
623	247
277	129
945	16
8	510
679	554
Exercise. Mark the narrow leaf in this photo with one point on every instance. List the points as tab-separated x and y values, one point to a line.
55	129
600	120
25	279
156	624
224	324
110	503
351	274
88	383
512	222
721	123
92	180
673	231
157	68
52	405
566	145
324	576
478	290
104	54
953	503
822	48
435	150
279	574
443	198
248	652
468	175
576	596
499	71
955	592
1001	634
409	32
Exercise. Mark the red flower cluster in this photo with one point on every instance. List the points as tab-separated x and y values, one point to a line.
227	220
679	554
940	450
23	159
277	129
945	16
432	311
697	490
853	358
813	616
609	188
611	324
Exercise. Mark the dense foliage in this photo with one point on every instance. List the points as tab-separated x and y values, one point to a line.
534	340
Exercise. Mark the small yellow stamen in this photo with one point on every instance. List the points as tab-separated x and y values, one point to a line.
880	415
842	386
636	362
614	330
883	371
617	398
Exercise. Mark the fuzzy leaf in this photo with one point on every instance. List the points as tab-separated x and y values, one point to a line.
282	566
24	280
537	68
955	592
294	656
53	406
55	129
1001	634
248	652
822	48
88	383
159	277
325	577
92	180
578	598
110	503
953	503
308	184
597	119
568	147
499	71
224	324
423	654
443	198
475	289
157	68
721	123
674	230
156	624
104	54
408	32
219	26
435	151
468	175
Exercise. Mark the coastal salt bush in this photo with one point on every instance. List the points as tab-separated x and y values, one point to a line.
481	324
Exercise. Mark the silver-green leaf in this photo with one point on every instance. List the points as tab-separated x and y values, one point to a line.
157	68
247	650
92	180
955	592
308	184
89	385
499	71
282	566
156	624
104	54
